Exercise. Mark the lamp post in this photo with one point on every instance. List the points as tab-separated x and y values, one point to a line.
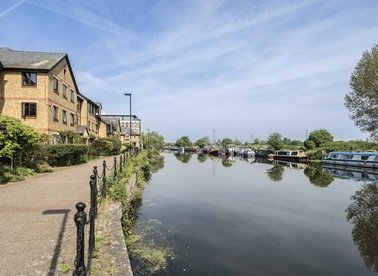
148	138
129	94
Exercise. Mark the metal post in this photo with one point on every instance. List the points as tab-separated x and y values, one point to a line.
115	166
95	173
103	192
92	215
120	164
80	220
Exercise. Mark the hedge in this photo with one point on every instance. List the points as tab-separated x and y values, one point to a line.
65	155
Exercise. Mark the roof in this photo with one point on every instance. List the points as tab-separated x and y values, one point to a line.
355	153
111	121
11	59
121	117
82	130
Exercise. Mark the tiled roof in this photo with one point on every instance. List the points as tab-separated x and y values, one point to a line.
29	60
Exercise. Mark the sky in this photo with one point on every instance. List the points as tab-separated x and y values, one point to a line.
232	68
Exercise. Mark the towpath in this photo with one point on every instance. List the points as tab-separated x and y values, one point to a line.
37	231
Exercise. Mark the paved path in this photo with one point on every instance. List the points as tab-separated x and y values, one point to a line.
37	231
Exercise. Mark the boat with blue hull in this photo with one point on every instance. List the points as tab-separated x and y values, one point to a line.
349	158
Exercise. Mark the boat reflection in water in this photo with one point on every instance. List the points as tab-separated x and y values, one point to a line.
354	173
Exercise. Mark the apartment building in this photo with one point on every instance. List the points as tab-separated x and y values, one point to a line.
129	134
39	88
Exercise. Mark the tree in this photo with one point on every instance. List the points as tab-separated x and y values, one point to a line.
202	142
275	141
184	141
16	137
320	137
362	100
153	140
226	142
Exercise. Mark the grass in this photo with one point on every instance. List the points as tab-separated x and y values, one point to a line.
63	267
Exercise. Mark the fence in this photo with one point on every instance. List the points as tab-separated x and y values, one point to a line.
81	219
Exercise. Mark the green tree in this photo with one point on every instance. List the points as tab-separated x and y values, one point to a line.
275	140
362	100
153	140
320	137
202	142
15	137
184	141
226	142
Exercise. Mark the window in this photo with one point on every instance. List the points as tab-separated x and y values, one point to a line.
96	127
55	85
72	96
55	113
64	117
64	91
29	79
29	109
89	125
72	119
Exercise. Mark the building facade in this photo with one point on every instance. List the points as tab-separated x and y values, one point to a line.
39	88
133	134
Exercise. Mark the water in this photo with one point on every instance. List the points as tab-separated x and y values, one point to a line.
237	218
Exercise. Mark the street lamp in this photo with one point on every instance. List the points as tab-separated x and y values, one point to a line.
129	94
148	138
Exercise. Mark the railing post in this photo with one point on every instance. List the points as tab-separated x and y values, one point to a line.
92	214
120	164
103	192
95	173
80	220
115	166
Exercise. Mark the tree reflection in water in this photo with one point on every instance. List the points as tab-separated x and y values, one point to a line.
275	173
363	213
201	158
317	176
183	157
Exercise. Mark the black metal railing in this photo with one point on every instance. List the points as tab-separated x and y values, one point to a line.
81	220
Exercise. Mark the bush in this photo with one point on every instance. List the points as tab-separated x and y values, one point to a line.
8	175
315	154
65	155
107	146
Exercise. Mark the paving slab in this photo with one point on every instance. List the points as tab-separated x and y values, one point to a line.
37	230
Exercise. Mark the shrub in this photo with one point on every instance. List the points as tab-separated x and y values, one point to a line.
8	175
315	154
65	155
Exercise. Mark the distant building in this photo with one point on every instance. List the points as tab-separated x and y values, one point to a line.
129	134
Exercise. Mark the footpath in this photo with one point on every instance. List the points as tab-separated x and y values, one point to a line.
37	229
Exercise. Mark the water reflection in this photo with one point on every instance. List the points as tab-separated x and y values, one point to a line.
201	158
228	161
318	176
276	173
363	213
183	157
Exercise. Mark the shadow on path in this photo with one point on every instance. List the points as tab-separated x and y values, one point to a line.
58	245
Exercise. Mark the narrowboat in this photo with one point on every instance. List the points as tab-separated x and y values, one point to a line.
295	156
348	158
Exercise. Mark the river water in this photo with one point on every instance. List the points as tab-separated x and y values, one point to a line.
240	218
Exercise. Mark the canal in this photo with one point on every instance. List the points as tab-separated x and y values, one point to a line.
203	216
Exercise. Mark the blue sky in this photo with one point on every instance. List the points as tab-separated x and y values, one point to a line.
243	68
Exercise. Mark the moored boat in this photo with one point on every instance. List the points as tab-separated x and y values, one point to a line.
349	158
290	155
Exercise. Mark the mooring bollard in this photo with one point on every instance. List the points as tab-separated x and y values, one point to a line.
103	192
120	164
92	214
80	220
115	166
